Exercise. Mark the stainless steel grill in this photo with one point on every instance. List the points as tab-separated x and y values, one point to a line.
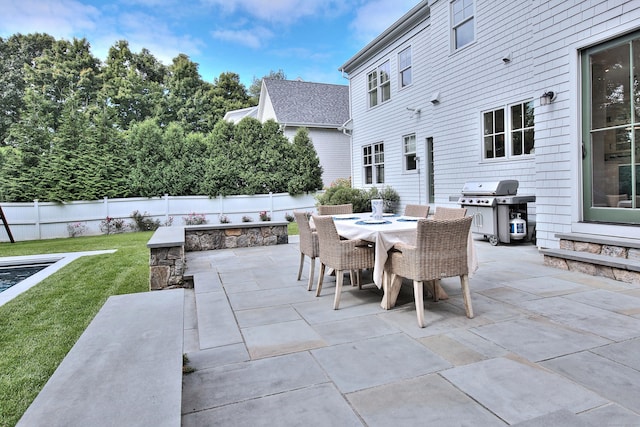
493	204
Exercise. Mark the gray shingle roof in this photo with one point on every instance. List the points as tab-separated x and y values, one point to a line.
308	103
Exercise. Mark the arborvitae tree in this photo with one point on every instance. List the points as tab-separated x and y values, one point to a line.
223	162
306	172
144	145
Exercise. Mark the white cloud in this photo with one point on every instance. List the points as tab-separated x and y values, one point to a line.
59	18
281	11
376	16
253	38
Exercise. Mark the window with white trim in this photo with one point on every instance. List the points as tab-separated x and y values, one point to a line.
508	132
462	23
409	153
379	85
373	163
404	67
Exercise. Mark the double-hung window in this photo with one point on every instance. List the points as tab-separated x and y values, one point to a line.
379	85
409	153
462	22
373	163
508	132
404	67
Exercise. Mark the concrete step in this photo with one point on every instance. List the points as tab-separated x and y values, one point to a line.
124	370
597	259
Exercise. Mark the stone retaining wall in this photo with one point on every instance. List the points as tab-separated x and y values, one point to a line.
166	268
168	245
228	236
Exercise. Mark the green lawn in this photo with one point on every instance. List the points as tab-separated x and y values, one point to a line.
40	326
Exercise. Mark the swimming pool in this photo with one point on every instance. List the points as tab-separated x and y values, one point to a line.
51	263
14	274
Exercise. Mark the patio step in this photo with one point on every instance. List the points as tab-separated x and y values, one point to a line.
125	369
598	255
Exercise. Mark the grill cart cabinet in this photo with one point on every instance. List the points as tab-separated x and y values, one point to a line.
494	205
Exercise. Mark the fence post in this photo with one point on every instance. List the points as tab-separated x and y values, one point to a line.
106	207
37	224
271	204
166	209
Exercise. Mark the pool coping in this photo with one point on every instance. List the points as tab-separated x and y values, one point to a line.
59	260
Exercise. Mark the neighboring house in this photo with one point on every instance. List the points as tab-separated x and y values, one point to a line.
453	92
321	108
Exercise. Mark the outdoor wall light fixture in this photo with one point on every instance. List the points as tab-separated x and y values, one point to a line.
414	111
547	97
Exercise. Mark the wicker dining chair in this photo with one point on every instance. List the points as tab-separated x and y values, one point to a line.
335	209
342	255
440	251
449	213
420	211
308	245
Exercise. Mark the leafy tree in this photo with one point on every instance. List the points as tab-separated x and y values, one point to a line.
16	53
130	84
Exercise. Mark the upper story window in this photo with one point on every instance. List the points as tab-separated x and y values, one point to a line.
508	132
373	163
404	67
462	22
379	85
409	152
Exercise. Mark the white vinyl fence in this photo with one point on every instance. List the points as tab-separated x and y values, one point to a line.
47	220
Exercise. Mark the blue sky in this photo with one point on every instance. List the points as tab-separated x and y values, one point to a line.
307	39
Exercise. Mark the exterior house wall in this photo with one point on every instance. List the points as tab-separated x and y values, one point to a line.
562	30
396	119
543	40
472	80
266	111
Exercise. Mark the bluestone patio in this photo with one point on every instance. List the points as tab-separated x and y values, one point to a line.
546	347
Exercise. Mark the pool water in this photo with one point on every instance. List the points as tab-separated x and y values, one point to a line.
12	275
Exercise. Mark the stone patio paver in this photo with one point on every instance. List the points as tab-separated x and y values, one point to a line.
546	347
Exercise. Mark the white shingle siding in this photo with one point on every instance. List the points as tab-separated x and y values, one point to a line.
562	30
544	39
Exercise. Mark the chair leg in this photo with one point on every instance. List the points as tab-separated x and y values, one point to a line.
320	277
466	294
339	279
313	267
353	278
418	289
435	285
301	265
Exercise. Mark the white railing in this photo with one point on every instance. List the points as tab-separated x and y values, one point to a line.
47	220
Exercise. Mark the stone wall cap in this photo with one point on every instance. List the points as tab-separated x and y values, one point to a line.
253	224
165	237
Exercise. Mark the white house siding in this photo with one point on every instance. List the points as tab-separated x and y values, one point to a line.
476	79
390	121
562	29
332	148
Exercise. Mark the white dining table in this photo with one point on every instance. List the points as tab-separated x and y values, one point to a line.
385	233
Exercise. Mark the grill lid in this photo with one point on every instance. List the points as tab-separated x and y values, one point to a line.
505	187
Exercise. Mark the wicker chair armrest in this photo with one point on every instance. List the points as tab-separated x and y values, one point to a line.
402	247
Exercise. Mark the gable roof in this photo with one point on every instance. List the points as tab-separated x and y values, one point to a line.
302	103
235	116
